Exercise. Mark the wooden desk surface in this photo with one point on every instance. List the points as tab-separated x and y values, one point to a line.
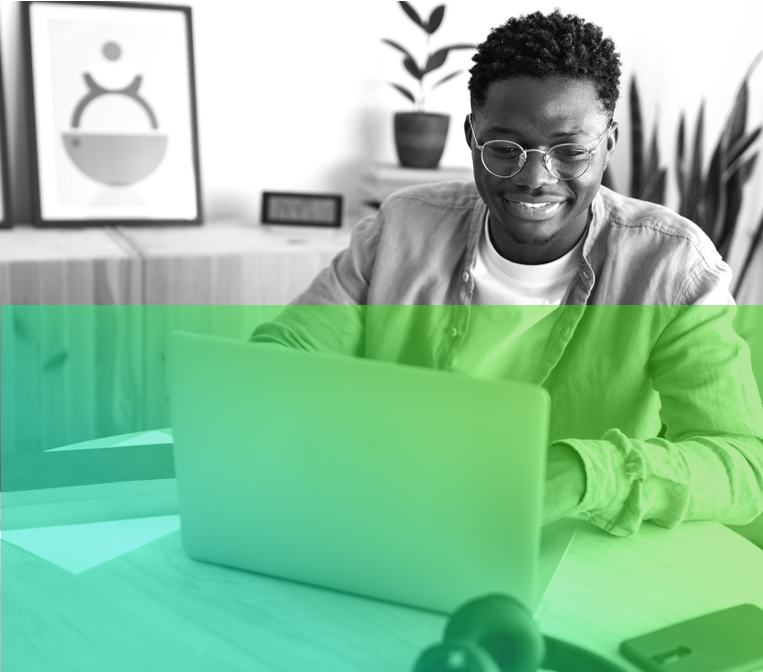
154	608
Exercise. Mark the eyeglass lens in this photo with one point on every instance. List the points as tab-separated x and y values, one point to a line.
505	159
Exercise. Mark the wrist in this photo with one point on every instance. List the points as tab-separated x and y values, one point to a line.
565	481
567	469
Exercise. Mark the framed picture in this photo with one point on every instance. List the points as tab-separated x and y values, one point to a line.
293	209
5	205
112	98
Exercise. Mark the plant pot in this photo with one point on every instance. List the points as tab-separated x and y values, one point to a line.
420	138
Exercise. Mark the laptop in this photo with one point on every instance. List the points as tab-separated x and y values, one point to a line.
389	481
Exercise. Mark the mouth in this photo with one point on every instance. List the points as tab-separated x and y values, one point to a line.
535	210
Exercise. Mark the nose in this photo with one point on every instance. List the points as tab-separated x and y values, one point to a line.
534	173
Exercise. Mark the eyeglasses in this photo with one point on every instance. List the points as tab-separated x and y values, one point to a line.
504	158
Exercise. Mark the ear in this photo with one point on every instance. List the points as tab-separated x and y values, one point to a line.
468	131
614	134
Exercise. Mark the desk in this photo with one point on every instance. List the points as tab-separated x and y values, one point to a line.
156	609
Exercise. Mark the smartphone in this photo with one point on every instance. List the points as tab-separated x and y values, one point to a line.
730	640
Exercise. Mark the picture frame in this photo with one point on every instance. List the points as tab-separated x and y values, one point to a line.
6	220
113	132
301	209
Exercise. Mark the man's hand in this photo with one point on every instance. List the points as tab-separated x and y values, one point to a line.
565	482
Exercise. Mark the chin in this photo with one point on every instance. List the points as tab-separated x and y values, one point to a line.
527	232
531	241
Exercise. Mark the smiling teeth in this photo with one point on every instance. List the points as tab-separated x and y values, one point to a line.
533	205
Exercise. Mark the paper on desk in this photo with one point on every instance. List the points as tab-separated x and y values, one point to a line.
146	439
143	439
80	547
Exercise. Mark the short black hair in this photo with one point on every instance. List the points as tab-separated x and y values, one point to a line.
540	45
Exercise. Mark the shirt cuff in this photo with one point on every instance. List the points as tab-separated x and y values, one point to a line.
615	472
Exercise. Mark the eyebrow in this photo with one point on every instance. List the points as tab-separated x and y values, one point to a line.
562	134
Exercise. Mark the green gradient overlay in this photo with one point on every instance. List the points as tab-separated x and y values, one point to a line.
76	373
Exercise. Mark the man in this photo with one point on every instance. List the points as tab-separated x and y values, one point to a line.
535	272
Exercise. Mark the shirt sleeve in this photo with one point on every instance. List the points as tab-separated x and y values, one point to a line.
330	315
709	465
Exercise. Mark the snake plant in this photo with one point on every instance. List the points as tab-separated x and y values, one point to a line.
713	197
648	178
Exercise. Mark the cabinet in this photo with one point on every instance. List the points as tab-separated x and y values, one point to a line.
381	180
85	313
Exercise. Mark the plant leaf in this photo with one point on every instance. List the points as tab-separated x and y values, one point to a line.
662	183
680	166
737	122
741	146
436	60
750	256
695	204
653	158
680	151
446	78
405	92
654	191
747	168
435	19
412	14
734	194
413	68
753	65
637	142
399	47
715	195
737	168
699	214
462	45
734	143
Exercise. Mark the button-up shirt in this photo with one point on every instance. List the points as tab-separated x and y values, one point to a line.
649	383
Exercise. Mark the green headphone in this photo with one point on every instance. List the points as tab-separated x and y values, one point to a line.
496	633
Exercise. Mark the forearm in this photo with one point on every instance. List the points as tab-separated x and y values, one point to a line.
336	329
330	315
701	478
565	482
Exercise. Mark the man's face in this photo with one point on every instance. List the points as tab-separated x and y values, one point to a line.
538	114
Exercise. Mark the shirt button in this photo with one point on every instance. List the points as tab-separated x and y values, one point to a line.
466	277
453	332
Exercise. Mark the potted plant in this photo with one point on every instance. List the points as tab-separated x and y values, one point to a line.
420	136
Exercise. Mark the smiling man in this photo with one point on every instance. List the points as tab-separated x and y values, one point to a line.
539	200
534	272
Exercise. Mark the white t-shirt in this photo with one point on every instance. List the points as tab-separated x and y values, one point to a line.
514	309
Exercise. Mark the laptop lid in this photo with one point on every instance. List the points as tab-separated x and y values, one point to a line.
395	482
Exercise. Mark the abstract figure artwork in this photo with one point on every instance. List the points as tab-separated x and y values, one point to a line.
114	132
115	158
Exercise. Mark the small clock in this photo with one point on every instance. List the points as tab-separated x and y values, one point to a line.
294	209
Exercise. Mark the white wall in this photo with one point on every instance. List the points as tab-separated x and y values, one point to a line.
315	73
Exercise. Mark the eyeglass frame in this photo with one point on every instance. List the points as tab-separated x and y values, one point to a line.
544	158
